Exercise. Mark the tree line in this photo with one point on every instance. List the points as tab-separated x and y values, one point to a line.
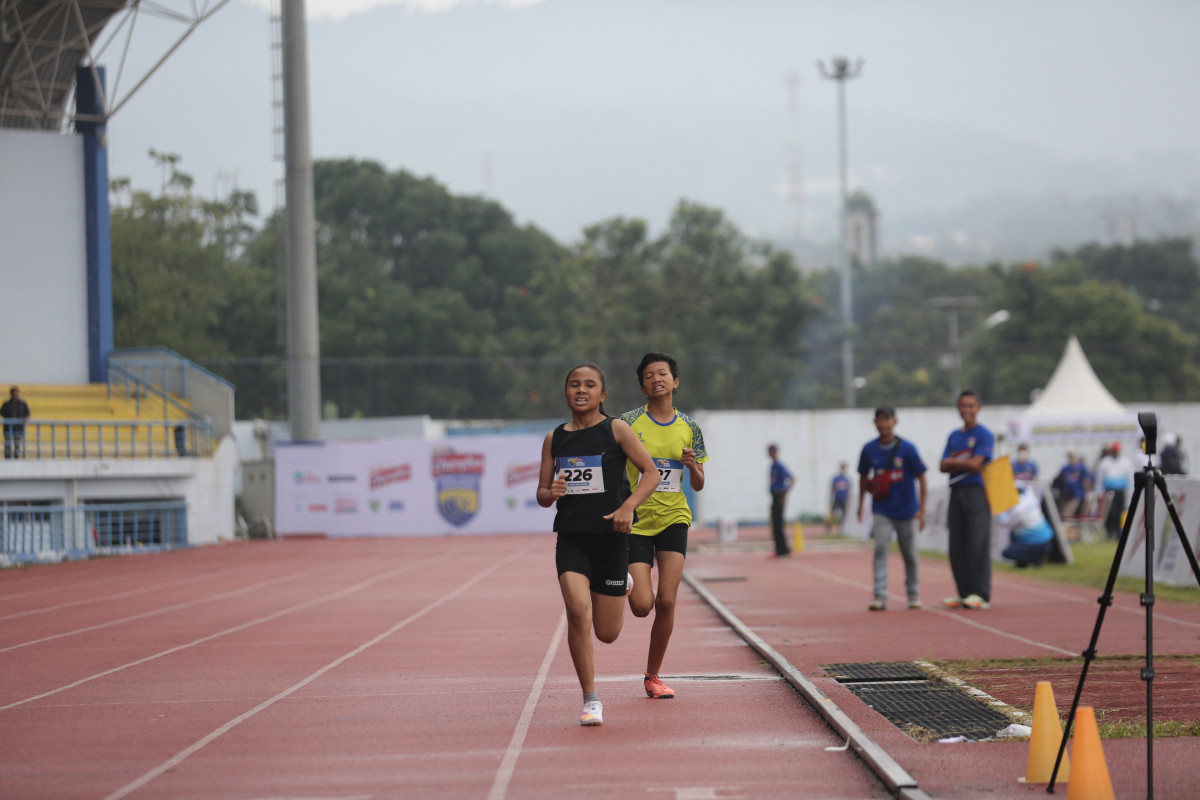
441	304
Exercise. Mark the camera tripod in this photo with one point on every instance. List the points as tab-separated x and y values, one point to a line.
1144	483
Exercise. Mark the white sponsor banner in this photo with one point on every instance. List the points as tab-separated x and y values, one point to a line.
1171	565
1069	428
410	487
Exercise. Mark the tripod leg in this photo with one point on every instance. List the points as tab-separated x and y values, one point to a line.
1148	603
1105	600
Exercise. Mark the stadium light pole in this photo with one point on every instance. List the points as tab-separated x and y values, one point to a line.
303	341
842	70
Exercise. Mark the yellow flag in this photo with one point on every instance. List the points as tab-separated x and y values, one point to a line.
999	484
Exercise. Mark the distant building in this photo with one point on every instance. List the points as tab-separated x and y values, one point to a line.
862	228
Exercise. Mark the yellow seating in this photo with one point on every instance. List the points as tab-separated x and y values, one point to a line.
77	420
91	401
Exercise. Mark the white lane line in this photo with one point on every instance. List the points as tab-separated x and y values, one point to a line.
960	617
276	615
182	755
164	610
91	601
509	763
1128	609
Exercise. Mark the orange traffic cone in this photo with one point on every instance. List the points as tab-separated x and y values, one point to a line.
1090	781
1045	739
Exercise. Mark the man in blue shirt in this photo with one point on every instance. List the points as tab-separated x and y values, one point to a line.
839	494
969	516
1074	482
1023	468
780	483
889	469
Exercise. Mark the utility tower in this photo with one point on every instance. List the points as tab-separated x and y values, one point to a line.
842	70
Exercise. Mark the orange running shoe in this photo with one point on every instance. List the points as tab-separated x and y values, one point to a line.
657	689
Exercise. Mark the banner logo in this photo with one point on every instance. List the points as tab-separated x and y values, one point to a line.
457	476
519	473
382	476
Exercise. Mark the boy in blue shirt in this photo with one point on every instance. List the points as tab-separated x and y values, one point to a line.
839	495
1024	469
780	482
890	470
969	517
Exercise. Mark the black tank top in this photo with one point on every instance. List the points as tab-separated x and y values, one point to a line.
584	513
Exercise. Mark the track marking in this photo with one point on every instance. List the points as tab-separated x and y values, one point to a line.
157	611
276	615
508	764
182	755
956	617
121	595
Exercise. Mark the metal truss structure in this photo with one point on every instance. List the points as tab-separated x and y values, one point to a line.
44	42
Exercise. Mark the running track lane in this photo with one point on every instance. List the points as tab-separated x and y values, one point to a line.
376	668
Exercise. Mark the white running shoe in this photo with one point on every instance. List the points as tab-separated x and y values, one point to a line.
593	713
628	583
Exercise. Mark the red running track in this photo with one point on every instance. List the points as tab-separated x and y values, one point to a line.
377	668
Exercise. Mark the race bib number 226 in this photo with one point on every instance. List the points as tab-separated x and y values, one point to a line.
583	474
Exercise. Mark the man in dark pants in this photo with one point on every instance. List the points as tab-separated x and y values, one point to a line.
14	413
781	482
969	516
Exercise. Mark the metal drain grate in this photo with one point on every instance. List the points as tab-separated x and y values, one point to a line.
903	694
935	707
875	671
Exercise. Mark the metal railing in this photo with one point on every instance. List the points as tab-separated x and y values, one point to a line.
46	439
53	532
139	390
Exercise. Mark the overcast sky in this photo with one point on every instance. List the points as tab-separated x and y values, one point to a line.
572	111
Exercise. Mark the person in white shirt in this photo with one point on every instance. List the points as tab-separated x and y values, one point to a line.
1114	473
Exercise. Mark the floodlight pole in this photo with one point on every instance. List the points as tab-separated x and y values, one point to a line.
303	341
841	72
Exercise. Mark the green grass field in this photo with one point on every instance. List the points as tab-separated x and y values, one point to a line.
1091	568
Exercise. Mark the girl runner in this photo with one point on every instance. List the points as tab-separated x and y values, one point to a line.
583	470
674	441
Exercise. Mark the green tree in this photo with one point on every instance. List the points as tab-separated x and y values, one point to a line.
171	256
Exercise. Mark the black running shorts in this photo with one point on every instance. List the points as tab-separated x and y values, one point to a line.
672	539
602	557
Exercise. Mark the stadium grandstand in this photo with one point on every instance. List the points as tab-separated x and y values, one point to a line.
123	450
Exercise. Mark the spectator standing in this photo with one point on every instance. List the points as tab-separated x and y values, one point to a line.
1074	481
890	470
839	495
969	517
1031	533
1171	458
1114	473
14	413
780	483
1023	468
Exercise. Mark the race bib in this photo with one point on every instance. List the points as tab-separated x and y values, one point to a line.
583	474
670	474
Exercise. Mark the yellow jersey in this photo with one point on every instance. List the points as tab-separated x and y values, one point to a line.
665	442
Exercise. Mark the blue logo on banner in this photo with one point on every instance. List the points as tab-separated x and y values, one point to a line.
457	476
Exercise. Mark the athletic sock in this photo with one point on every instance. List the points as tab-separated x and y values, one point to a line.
590	696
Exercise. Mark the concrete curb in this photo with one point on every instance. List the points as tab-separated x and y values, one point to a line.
886	768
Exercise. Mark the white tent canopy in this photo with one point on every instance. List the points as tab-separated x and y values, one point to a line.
1074	407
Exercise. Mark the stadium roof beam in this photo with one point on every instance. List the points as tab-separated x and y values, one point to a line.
42	42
